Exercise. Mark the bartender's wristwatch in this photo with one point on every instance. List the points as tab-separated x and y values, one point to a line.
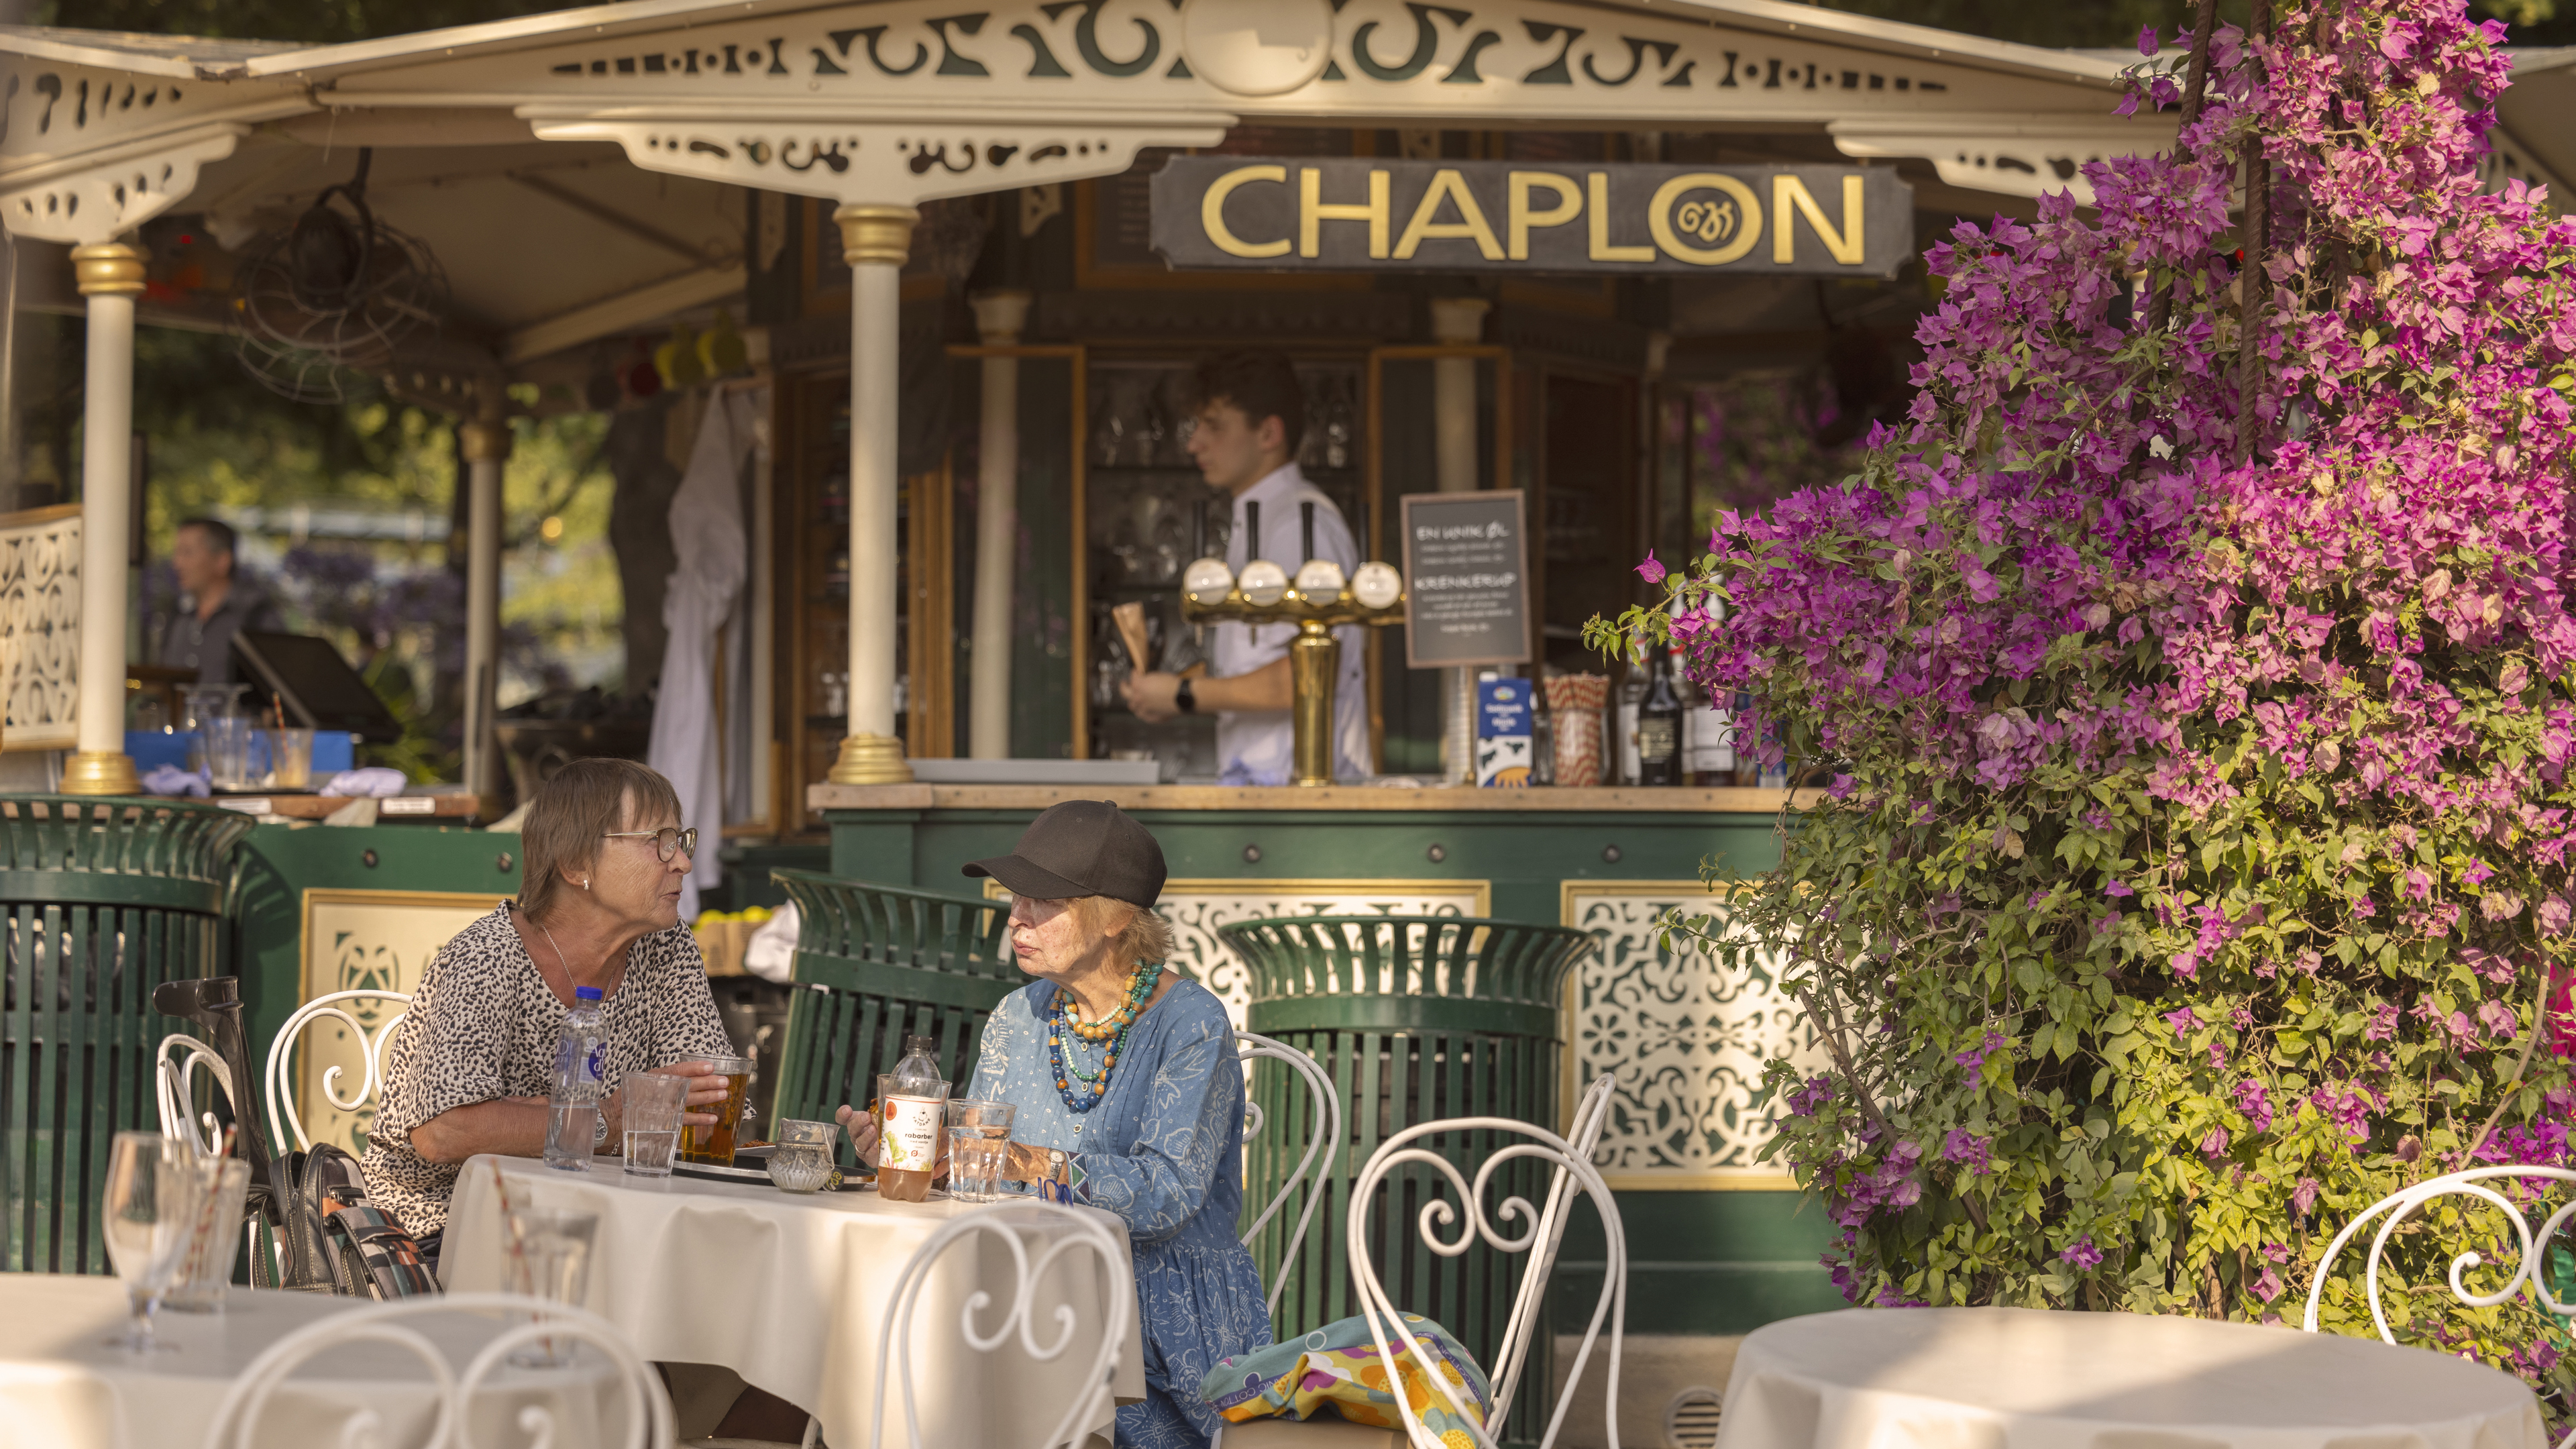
1183	697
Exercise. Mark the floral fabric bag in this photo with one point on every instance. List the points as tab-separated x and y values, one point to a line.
1336	1369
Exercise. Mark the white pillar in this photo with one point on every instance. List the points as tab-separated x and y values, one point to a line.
110	275
1456	322
999	318
874	241
486	447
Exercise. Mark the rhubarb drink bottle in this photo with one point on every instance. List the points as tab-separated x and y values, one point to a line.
916	1119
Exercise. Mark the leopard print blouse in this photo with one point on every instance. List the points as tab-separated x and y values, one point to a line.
484	1024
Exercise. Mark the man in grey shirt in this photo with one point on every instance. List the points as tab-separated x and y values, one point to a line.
213	605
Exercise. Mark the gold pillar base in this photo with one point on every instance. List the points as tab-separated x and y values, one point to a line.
870	760
101	772
1314	667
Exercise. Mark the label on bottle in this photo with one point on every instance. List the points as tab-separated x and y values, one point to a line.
1627	742
1658	738
1709	736
912	1129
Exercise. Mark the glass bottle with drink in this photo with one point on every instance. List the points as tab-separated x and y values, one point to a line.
1659	727
1632	697
915	1108
572	1106
1708	729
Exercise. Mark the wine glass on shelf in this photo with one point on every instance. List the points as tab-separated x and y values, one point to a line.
150	1203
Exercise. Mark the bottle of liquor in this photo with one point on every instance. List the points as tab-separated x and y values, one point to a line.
1708	731
1659	727
1542	733
1632	694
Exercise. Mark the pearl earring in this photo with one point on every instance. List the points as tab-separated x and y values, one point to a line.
585	884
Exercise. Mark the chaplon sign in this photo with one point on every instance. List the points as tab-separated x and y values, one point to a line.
1295	214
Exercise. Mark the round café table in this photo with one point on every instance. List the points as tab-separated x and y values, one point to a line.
790	1291
2021	1378
62	1387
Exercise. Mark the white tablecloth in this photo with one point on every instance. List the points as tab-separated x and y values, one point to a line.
791	1292
61	1387
2019	1378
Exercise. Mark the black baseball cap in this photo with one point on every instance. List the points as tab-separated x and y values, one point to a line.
1081	848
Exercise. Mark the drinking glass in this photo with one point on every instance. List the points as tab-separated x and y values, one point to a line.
979	1146
713	1142
653	1103
802	1160
549	1260
151	1202
228	741
205	1268
289	758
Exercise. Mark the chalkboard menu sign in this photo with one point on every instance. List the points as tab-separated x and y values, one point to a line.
1466	575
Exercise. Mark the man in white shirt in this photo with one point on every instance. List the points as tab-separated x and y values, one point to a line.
1251	417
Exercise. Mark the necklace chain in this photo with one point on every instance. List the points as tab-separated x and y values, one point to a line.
561	962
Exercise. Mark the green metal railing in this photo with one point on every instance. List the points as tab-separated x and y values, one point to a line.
101	901
1415	1018
875	964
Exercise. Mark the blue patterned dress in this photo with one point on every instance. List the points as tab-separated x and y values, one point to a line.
1164	1152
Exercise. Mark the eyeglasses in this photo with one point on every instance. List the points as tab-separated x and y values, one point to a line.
667	841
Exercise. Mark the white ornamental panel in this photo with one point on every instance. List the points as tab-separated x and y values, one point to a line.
40	597
1684	1036
363	941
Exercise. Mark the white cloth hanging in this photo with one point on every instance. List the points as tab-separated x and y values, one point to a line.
712	547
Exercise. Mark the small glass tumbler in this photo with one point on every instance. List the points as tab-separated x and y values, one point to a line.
548	1258
289	758
801	1161
653	1103
979	1146
228	751
214	1237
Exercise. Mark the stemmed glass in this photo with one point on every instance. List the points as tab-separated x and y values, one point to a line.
150	1200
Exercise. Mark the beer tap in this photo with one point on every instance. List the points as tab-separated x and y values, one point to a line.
1318	600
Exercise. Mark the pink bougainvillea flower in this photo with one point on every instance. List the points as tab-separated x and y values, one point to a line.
1653	570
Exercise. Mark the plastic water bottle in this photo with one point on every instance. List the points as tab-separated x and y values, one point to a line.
572	1108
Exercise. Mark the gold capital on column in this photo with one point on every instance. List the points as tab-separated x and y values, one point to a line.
108	269
484	442
870	760
100	772
881	234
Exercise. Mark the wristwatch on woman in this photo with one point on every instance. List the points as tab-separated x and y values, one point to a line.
1183	697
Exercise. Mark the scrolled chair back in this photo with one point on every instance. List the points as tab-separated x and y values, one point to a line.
1056	1232
2392	1211
174	1090
646	1404
1324	1109
1542	1230
285	1124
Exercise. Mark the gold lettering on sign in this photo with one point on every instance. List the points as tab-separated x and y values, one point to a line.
1705	218
1212	212
1447	183
1602	251
1520	218
1312	212
1843	247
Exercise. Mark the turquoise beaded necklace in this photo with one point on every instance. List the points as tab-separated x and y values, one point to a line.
1060	1026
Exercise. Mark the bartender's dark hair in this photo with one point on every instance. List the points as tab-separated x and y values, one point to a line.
571	815
218	533
1258	385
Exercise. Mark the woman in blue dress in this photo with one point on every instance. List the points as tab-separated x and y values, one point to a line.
1129	1069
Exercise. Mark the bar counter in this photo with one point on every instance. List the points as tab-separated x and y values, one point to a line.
1717	1243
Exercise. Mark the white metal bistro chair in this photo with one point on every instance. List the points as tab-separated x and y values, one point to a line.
1573	1174
2394	1209
645	1404
174	1091
1324	1107
285	1125
1036	1234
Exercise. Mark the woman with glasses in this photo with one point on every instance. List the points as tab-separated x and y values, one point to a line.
472	1063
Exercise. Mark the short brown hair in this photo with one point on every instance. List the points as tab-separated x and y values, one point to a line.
571	815
1258	385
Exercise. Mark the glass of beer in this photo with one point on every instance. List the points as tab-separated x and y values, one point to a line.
713	1141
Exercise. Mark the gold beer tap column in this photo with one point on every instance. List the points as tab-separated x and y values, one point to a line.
1318	601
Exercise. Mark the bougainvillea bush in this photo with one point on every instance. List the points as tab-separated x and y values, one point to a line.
2196	679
